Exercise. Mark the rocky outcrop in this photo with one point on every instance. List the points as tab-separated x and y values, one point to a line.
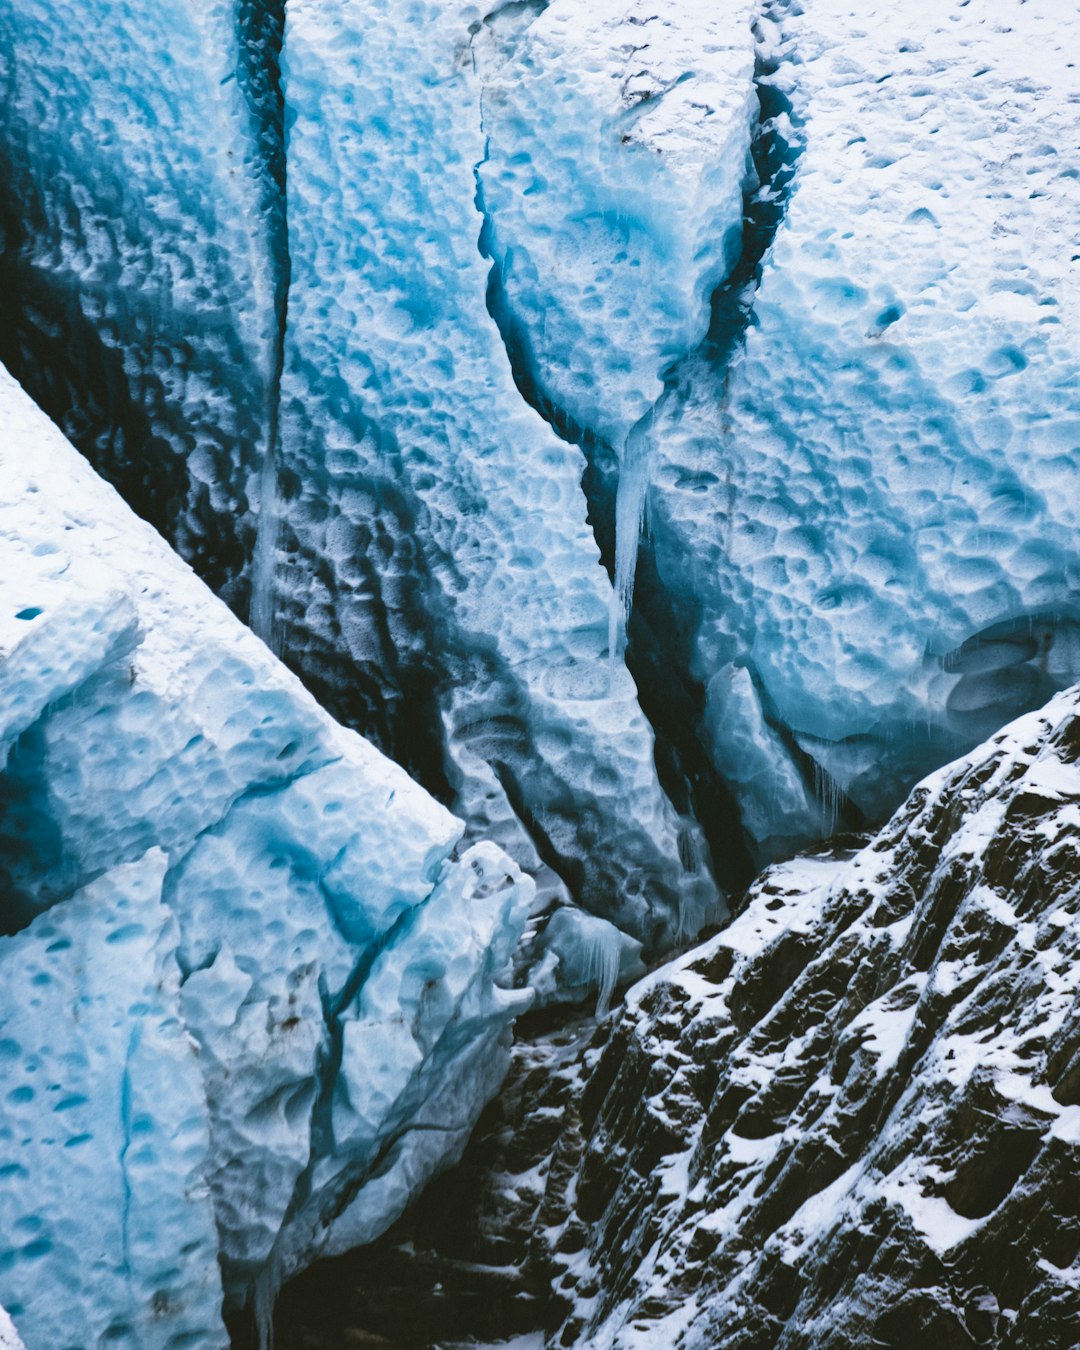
850	1119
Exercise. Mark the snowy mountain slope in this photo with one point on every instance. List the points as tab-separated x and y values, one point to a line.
850	1118
309	879
871	505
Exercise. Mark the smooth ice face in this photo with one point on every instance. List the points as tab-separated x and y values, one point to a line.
434	522
107	1228
299	865
141	219
876	506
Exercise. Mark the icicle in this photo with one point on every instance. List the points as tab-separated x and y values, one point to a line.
603	951
264	563
264	1296
630	500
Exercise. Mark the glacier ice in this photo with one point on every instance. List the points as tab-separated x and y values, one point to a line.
107	1226
308	890
433	519
870	510
856	522
142	225
616	145
322	419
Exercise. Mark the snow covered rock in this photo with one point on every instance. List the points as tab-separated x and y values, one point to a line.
873	507
852	1117
308	879
434	558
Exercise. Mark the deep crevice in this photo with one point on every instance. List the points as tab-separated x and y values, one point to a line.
261	38
662	622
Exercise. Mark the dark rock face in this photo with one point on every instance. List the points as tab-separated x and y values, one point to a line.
851	1119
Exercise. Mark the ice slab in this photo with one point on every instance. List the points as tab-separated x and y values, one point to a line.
298	864
108	1230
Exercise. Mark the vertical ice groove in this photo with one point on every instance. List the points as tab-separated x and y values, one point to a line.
261	24
619	213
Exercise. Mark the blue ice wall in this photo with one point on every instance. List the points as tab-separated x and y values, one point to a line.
369	489
141	237
874	506
427	509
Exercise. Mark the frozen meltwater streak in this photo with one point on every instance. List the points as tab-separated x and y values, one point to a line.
264	559
257	879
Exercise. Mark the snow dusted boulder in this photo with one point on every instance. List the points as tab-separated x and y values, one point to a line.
142	234
850	1119
308	889
874	507
107	1226
434	549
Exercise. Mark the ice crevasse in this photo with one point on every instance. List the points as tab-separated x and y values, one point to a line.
254	994
319	410
433	518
